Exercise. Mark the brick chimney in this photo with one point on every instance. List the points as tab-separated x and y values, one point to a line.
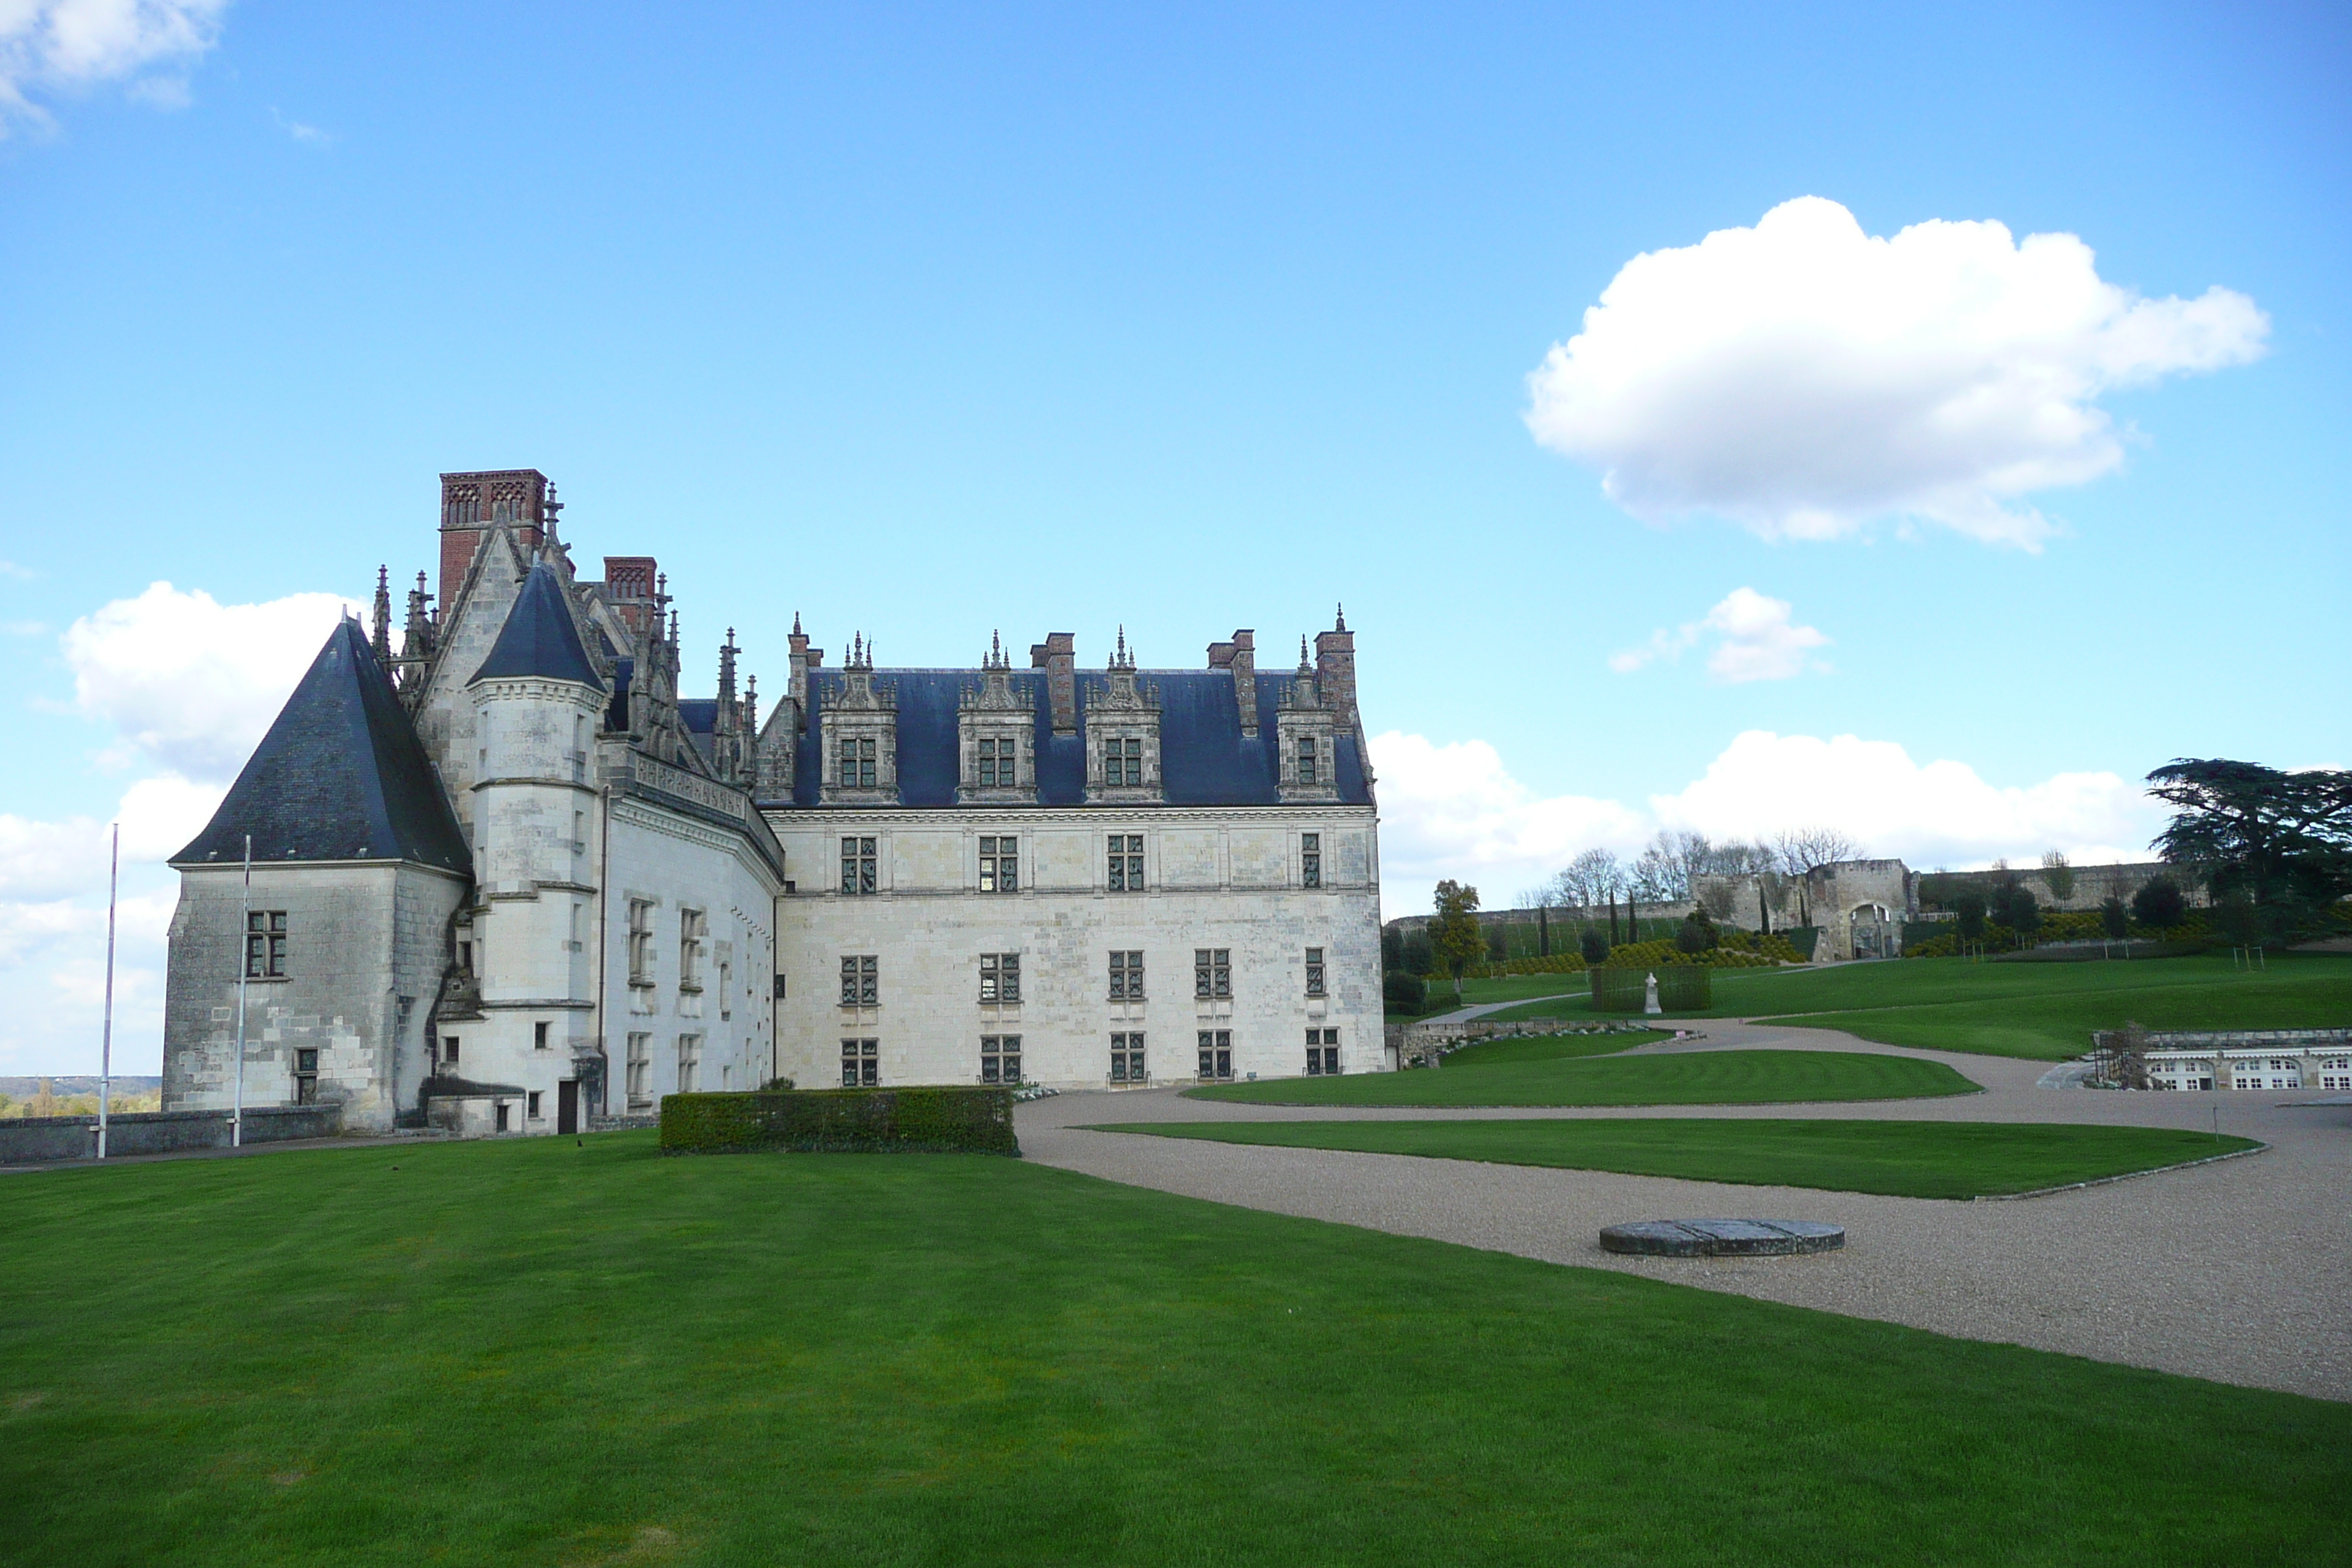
629	582
471	503
1335	670
1240	655
1058	656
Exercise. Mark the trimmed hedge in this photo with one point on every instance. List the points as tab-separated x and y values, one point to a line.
1682	988
974	1120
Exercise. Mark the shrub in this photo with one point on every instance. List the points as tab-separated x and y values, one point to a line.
1392	949
1593	946
1969	907
2115	920
975	1121
1697	935
1405	993
2159	903
1420	955
1498	944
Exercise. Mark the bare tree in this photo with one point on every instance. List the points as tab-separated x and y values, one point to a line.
1804	849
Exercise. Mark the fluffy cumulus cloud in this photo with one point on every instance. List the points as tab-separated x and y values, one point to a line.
1803	378
189	681
1456	811
1755	637
68	44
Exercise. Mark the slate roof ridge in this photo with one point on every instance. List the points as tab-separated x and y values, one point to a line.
341	775
540	638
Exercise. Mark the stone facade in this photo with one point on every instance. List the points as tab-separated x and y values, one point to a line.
519	884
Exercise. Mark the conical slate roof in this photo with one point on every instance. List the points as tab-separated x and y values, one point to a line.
539	638
340	776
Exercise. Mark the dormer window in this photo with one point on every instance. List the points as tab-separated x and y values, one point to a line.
857	764
1123	762
999	769
1310	768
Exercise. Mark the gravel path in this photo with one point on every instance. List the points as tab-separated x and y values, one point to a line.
2239	1271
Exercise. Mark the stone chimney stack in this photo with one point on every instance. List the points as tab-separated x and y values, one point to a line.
1058	656
1335	669
1240	655
471	503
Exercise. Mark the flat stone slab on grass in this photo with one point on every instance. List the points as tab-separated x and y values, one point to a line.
1722	1238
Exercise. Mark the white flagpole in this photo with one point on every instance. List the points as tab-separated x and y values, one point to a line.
106	1038
244	967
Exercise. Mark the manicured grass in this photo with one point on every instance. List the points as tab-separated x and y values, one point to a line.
1503	988
2046	1011
1902	1158
1697	1078
537	1352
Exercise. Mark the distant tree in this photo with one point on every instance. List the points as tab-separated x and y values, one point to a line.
1594	945
1803	849
1498	943
1969	911
1392	949
2115	918
2159	904
1454	932
1697	935
2283	840
2058	875
1405	993
1420	954
2013	906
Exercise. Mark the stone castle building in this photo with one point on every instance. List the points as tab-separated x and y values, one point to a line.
508	879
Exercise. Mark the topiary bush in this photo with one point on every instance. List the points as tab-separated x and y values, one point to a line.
973	1121
1405	993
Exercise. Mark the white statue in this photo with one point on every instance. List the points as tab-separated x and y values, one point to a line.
1650	995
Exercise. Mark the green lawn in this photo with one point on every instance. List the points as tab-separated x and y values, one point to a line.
1697	1078
537	1352
2039	1010
1903	1159
1551	1047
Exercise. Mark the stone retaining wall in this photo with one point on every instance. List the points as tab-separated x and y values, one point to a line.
31	1139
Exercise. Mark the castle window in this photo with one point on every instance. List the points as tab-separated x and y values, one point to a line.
1126	976
1000	1058
1000	978
1322	1052
1310	859
998	760
1123	762
640	1070
726	990
1212	972
1315	972
999	863
264	945
857	764
1126	863
861	1063
857	865
531	1105
306	1076
861	981
1127	1059
641	941
693	926
1307	760
1216	1053
538	1036
449	1051
689	1062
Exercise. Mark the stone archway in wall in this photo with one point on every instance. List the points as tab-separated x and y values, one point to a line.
1870	931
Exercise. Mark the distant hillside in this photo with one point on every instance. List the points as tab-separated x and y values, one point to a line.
23	1088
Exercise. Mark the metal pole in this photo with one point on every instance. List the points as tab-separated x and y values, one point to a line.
106	1038
244	968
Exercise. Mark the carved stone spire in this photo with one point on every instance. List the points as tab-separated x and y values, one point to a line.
382	639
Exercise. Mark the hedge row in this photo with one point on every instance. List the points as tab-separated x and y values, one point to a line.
1682	988
1741	950
975	1121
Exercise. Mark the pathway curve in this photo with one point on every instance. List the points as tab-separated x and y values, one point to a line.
2240	1271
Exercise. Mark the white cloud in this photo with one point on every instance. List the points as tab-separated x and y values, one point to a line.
299	131
149	44
1803	378
192	682
1456	811
1756	640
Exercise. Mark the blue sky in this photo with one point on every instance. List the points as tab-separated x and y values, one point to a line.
923	324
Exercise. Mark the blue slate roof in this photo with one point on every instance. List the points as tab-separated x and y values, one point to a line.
1204	758
341	775
539	638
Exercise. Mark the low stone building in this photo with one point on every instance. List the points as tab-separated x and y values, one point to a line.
1859	906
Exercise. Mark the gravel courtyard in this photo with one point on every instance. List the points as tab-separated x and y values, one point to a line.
2239	1271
